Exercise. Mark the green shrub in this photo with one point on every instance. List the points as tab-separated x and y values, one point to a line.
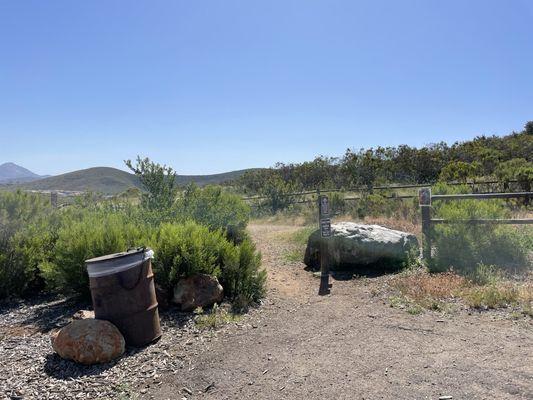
243	280
78	239
182	250
215	208
337	203
24	240
464	246
374	205
185	249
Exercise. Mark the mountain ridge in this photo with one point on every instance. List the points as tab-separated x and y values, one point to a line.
13	173
110	180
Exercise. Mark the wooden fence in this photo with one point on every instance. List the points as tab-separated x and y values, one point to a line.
426	200
475	185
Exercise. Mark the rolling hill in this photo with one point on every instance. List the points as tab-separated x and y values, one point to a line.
113	181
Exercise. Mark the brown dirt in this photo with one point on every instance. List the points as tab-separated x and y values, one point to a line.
351	345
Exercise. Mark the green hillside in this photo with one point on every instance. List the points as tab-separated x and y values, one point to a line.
100	179
113	181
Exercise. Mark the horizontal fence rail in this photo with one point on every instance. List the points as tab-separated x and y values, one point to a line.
481	196
516	221
426	199
383	187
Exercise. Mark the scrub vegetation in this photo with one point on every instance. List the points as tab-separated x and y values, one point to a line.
192	230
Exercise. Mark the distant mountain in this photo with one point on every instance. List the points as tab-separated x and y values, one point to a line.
13	173
113	181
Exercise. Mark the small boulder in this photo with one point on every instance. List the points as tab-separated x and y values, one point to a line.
89	341
198	290
353	245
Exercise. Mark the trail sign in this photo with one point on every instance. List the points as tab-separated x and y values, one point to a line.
324	222
323	203
424	197
325	227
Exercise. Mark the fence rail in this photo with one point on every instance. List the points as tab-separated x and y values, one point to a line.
383	187
426	199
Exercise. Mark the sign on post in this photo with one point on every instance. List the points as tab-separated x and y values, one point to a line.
324	221
424	197
324	206
325	227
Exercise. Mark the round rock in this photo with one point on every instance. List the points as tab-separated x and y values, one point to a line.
89	341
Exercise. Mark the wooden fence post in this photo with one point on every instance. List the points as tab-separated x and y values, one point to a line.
325	234
53	199
424	199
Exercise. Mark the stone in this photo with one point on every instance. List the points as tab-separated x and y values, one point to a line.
353	245
83	314
198	290
89	341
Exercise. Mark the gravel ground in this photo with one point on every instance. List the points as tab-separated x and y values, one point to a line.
297	345
31	370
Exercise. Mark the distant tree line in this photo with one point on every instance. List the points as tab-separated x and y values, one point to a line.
505	158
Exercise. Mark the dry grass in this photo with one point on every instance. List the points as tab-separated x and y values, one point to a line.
429	291
439	291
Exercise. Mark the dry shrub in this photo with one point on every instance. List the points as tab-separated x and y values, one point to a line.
431	290
422	286
500	295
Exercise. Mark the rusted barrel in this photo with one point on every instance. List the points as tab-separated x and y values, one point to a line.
123	292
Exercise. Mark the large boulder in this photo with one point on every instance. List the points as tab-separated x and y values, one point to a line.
353	245
198	290
89	341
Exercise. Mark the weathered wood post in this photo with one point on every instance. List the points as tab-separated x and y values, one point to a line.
424	200
324	219
53	199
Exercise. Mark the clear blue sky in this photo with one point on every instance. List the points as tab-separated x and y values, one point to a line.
211	86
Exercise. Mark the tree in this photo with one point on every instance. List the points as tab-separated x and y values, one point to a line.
529	128
459	171
517	169
158	181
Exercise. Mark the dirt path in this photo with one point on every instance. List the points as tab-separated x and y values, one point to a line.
352	345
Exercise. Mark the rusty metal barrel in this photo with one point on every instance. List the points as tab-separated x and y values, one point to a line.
123	292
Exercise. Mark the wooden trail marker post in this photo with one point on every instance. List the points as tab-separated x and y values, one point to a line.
324	218
424	200
53	199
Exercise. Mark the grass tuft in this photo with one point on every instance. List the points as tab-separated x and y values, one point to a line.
215	318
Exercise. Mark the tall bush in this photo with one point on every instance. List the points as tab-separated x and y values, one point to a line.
25	237
216	208
464	246
185	249
94	234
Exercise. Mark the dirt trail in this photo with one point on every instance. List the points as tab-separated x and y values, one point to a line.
352	345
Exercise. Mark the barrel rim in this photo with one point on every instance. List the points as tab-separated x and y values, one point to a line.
115	256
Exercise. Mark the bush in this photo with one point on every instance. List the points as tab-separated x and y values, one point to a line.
243	281
187	249
24	240
215	208
374	205
464	246
94	234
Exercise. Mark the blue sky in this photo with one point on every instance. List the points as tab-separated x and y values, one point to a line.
210	86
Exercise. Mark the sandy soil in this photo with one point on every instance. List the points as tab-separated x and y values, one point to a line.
351	345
